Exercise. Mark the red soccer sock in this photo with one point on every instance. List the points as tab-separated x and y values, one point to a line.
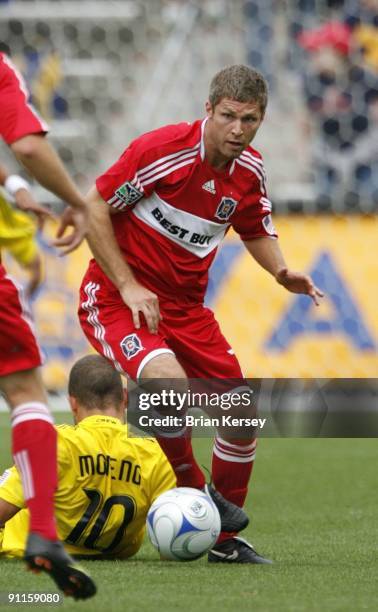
232	467
34	451
231	471
180	455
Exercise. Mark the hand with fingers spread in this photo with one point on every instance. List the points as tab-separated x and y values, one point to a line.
139	299
297	282
76	218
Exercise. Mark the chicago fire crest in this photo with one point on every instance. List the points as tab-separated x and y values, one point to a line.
225	208
131	346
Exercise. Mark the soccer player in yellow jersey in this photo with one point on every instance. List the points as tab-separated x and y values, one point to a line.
107	480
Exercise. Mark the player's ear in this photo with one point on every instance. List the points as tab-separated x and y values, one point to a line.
74	405
125	398
209	108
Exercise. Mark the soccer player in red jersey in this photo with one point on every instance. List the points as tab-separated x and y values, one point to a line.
157	217
33	433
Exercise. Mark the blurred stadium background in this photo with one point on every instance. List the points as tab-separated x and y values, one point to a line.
102	72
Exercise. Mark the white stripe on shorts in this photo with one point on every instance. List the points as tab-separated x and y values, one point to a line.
99	330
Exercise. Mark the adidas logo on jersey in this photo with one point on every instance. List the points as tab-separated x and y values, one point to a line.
209	186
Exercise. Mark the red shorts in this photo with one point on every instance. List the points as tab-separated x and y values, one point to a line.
191	333
18	118
19	348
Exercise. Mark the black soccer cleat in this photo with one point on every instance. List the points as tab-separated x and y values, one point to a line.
235	550
232	517
50	557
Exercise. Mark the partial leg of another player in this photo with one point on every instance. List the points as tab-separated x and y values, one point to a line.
34	437
34	450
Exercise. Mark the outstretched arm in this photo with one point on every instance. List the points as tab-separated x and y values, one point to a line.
108	255
40	159
267	253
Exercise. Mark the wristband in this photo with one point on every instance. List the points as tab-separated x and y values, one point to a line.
14	182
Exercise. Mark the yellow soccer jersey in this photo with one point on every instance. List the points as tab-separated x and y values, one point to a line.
17	233
107	483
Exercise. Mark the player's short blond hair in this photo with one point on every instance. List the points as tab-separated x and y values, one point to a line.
240	83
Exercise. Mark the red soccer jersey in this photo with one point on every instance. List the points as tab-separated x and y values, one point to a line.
175	208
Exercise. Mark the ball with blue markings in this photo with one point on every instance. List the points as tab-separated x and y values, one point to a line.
183	524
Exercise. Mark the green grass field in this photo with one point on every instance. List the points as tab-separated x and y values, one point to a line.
313	504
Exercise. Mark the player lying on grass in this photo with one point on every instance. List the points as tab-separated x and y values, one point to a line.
107	481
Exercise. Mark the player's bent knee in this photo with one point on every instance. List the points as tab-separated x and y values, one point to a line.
164	375
163	366
24	386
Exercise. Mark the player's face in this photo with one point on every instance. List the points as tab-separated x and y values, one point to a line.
231	127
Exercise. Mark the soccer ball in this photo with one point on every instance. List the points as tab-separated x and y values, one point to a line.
183	524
